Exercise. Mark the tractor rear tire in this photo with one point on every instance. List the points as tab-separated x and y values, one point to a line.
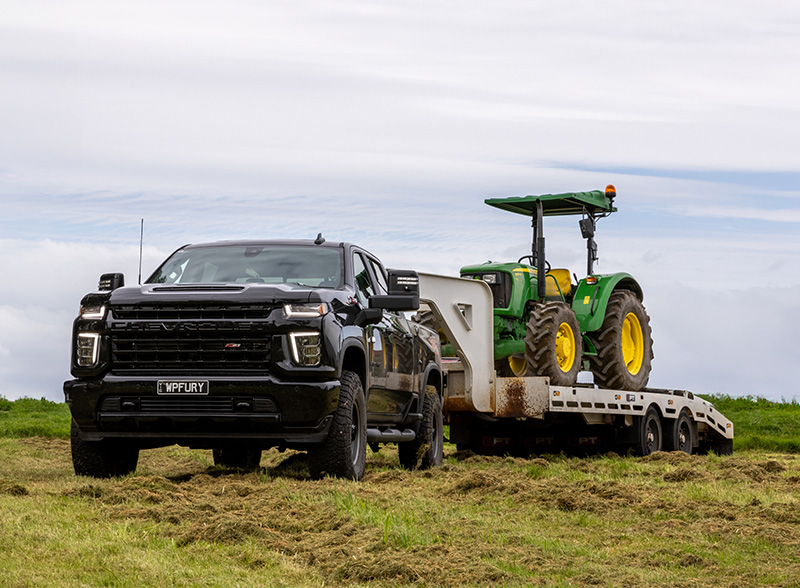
553	343
624	345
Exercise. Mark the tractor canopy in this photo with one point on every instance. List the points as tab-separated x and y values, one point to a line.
594	202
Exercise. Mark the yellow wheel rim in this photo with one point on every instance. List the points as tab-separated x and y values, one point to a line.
565	347
632	343
518	365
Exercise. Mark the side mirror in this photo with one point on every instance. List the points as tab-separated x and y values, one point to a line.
110	282
403	292
368	316
587	228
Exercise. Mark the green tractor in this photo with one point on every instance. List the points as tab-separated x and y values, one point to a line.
555	326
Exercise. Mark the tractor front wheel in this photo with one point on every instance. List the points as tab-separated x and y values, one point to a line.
553	343
624	344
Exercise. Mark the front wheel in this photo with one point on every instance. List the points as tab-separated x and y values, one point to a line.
553	343
343	453
101	459
427	448
513	366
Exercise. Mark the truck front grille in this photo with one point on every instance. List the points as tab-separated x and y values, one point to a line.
192	339
187	311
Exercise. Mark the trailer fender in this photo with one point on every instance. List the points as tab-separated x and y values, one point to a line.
591	299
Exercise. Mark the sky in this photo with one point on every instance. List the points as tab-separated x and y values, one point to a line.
387	124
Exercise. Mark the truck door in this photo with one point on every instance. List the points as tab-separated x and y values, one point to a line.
391	348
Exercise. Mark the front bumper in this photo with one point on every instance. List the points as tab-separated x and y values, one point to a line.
260	410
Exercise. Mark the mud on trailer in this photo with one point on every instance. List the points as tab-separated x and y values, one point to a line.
488	413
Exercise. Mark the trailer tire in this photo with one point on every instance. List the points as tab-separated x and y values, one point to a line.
343	453
427	448
680	434
237	457
651	437
624	344
553	343
101	459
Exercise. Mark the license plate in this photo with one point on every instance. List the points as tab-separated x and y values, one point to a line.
183	387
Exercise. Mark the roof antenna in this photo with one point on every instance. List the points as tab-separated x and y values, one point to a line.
319	240
141	241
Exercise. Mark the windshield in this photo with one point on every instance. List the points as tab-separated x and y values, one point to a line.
317	267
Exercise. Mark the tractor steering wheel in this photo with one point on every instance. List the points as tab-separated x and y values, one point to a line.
530	258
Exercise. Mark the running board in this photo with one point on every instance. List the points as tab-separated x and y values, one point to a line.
390	436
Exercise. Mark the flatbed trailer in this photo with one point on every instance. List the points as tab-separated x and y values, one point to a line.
492	414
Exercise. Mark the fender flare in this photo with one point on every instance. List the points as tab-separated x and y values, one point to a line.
591	300
433	368
357	343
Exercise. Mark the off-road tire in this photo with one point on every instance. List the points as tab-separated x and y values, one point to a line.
541	342
343	453
680	434
651	434
427	319
505	370
237	457
608	366
427	448
101	459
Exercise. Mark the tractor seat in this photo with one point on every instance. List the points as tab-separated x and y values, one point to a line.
558	283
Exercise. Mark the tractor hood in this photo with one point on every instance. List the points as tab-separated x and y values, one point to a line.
568	203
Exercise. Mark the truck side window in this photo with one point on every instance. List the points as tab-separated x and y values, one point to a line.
364	287
380	275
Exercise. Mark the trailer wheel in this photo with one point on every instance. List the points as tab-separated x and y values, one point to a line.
344	452
101	459
427	448
680	434
624	344
650	433
237	457
553	343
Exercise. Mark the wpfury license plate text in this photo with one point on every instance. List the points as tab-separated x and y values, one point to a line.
182	387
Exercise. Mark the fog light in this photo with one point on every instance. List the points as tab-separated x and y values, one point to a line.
88	348
306	348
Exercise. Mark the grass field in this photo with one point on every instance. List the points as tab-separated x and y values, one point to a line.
665	520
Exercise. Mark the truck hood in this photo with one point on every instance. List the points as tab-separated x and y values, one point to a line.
223	293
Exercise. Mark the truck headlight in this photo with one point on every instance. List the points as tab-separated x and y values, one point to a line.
306	348
93	312
305	310
88	348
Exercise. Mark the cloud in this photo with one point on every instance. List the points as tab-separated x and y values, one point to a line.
387	125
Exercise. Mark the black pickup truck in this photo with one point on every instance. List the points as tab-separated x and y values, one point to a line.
239	346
